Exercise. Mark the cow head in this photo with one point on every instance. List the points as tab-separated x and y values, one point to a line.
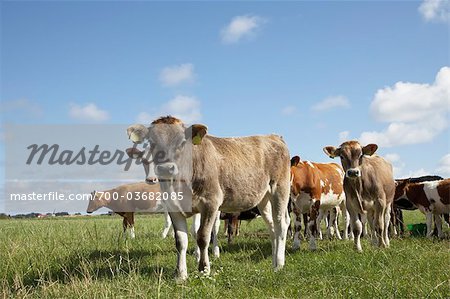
168	138
295	161
94	203
351	154
144	157
400	188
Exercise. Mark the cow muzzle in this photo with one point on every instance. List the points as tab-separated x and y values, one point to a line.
151	180
166	170
353	173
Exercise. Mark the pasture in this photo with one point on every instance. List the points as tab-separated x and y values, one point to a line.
87	257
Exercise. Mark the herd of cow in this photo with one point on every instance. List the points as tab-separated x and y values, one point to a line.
244	177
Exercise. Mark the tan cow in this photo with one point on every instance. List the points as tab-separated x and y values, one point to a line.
317	188
230	174
128	198
369	188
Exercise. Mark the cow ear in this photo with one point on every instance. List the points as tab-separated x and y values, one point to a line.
295	160
196	132
331	151
370	149
137	133
134	153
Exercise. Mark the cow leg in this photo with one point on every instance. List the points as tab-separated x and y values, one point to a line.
297	229
124	225
265	208
378	226
356	225
402	223
280	201
370	218
167	225
429	221
447	219
334	217
319	221
238	226
181	241
130	217
208	218
194	229
230	229
387	222
345	213
225	226
313	227
305	223
364	224
234	226
393	221
216	249
438	225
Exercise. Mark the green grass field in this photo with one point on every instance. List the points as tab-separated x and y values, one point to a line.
87	257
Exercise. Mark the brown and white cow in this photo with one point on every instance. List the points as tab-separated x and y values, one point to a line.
316	188
128	198
230	174
430	197
369	188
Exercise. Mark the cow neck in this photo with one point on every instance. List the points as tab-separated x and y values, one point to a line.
356	188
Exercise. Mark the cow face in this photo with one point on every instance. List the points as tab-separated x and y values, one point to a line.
144	157
351	154
400	188
168	140
94	203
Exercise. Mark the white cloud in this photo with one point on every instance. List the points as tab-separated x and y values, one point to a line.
177	74
397	164
392	157
25	106
444	165
343	136
435	10
90	112
415	173
416	112
331	102
240	27
145	118
289	110
183	107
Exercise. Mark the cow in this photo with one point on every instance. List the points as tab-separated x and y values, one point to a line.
430	197
402	203
230	174
129	198
316	188
369	189
151	179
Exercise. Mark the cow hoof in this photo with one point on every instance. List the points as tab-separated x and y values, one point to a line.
205	272
278	268
181	278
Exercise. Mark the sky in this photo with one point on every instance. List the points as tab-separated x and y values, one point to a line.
317	73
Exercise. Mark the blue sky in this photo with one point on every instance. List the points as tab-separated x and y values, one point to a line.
315	72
